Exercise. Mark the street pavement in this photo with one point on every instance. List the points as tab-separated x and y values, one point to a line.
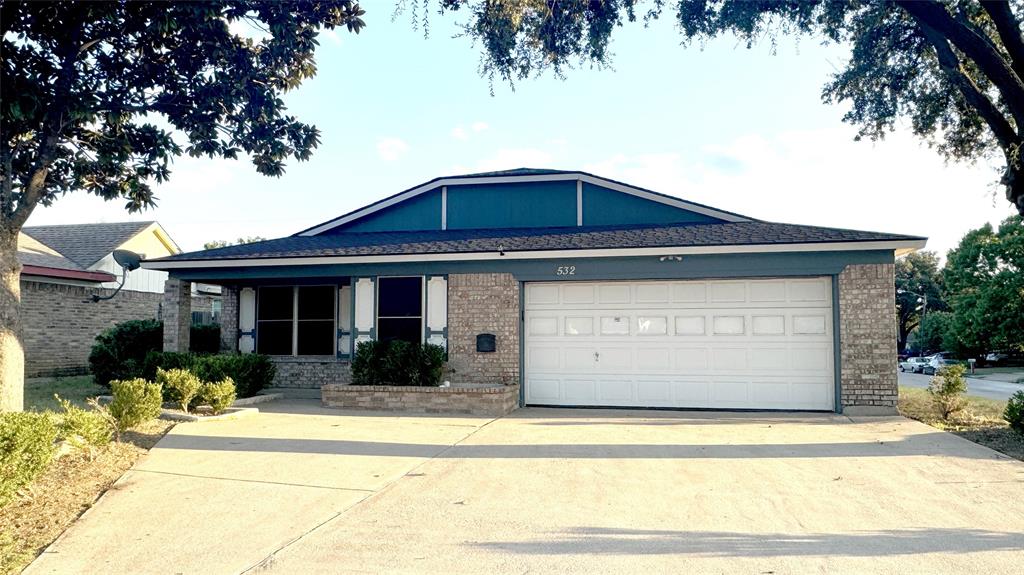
987	388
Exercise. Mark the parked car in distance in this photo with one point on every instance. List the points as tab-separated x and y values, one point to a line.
914	364
996	357
935	363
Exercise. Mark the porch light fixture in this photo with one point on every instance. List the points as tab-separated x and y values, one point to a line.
670	259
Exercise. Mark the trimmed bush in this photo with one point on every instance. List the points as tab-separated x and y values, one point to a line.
397	363
120	351
251	372
1014	413
947	389
26	448
136	401
219	396
84	427
204	338
181	384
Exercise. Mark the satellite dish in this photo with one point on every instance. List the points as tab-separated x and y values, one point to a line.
128	259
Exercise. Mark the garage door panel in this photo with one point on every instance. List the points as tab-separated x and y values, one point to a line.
708	344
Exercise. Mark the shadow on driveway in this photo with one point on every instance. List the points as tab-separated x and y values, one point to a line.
917	445
606	541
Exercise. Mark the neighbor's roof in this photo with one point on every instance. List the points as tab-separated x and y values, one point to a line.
533	240
38	259
86	244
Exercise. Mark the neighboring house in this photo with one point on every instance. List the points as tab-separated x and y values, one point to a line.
597	293
64	266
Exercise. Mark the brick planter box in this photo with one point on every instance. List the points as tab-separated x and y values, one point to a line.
487	400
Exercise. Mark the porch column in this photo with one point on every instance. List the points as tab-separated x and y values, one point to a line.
228	319
177	314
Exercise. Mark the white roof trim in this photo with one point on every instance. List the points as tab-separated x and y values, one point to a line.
901	246
674	202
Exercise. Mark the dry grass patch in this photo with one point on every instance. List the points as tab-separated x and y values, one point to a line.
981	421
64	491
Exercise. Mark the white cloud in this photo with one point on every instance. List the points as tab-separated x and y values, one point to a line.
479	126
391	149
331	35
824	178
459	133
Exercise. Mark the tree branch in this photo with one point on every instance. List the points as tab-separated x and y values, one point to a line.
934	15
7	186
950	65
1009	31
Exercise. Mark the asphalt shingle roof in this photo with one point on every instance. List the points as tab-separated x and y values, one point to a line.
510	240
86	244
32	252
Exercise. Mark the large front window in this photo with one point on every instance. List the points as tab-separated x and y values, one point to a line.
400	309
296	320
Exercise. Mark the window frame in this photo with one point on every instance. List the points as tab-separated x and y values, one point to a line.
295	321
423	305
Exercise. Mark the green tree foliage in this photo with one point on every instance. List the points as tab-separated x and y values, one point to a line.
984	279
953	70
917	276
936	333
101	96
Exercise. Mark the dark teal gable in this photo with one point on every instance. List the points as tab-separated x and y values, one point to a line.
521	205
605	207
419	213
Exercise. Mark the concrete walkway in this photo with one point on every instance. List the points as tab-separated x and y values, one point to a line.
987	388
307	490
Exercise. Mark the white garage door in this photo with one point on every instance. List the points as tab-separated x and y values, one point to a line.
739	344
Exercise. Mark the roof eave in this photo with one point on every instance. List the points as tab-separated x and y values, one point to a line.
899	247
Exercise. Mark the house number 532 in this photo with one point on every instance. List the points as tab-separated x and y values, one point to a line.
565	270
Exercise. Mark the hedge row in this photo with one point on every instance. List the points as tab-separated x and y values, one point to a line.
120	350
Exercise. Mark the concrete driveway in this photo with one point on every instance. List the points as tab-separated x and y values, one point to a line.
307	490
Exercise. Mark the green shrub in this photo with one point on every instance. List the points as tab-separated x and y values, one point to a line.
204	338
219	396
397	363
1014	414
26	448
180	384
120	351
947	389
84	427
251	372
136	401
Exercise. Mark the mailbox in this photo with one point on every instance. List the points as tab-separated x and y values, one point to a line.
485	343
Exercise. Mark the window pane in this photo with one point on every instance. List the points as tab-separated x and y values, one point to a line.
275	303
274	337
316	337
400	297
405	329
316	302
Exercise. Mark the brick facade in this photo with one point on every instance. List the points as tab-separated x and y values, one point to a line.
310	373
867	332
483	303
60	326
229	319
177	314
482	401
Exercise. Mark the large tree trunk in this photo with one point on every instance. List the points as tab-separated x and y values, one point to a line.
12	352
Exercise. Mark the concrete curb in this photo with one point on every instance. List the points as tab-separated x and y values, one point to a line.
229	413
262	398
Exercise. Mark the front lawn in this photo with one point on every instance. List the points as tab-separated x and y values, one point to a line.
981	421
76	389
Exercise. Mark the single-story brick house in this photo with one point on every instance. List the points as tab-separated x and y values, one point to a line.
596	293
63	266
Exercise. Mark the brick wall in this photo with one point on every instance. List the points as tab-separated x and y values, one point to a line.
229	319
483	303
310	373
867	331
177	314
481	401
60	326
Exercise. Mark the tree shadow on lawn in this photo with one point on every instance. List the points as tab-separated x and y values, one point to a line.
888	542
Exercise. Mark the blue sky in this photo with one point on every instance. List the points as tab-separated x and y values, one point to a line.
744	130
